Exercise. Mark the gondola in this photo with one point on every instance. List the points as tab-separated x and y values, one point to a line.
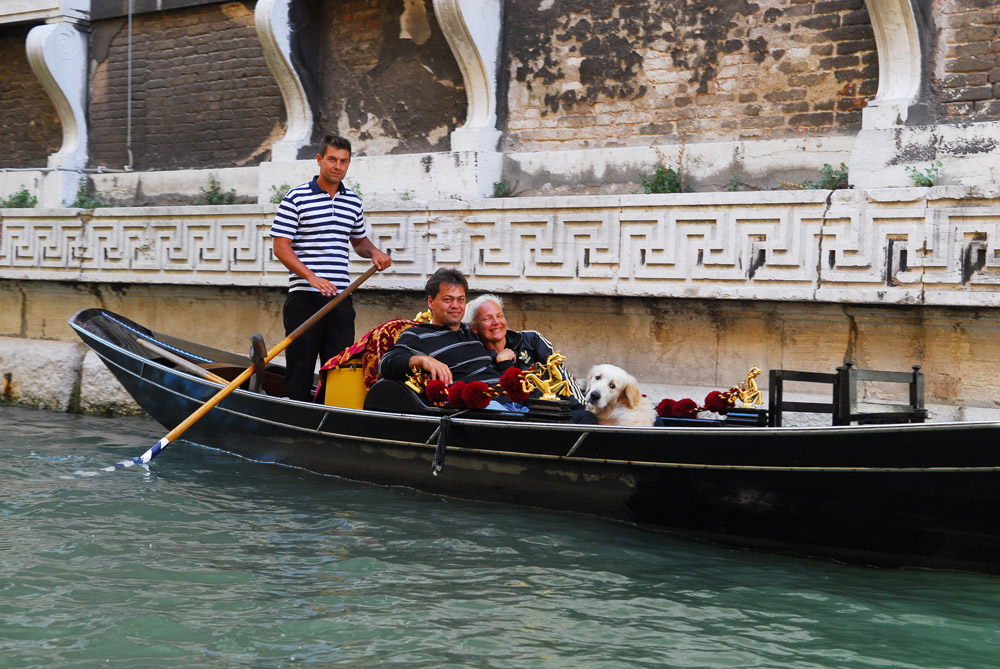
924	495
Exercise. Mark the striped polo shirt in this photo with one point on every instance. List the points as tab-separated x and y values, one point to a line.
320	228
460	349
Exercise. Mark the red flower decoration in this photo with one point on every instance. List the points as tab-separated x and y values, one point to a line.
437	392
665	408
476	395
455	395
718	402
511	384
685	408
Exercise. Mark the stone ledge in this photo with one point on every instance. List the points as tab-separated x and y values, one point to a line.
41	374
60	376
907	246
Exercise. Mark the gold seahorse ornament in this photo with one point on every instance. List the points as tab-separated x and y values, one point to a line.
747	392
555	384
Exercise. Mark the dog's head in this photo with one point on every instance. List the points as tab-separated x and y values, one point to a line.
608	386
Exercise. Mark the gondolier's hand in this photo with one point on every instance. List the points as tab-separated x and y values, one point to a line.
325	288
381	260
364	248
434	367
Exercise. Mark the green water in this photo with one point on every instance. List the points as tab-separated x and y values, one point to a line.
207	560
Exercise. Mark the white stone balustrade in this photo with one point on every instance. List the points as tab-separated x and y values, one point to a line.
938	246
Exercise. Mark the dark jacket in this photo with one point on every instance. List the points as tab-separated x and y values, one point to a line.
532	347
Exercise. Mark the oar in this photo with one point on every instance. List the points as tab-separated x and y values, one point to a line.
182	362
235	383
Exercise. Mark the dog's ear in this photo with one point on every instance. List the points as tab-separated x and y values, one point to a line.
590	377
630	396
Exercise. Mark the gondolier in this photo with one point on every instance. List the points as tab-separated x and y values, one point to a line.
311	231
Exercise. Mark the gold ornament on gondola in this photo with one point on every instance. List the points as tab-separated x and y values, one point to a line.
747	392
554	385
416	380
547	379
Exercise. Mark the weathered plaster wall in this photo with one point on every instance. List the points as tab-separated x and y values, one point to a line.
203	95
668	343
606	73
381	73
29	126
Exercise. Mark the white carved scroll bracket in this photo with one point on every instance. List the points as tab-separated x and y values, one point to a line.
895	24
274	30
57	54
473	28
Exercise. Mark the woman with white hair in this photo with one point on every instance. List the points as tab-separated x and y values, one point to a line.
523	348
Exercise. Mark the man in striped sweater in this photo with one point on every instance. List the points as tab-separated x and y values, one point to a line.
445	348
311	231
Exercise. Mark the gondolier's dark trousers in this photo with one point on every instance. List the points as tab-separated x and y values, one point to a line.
330	336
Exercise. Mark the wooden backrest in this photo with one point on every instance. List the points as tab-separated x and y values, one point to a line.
844	406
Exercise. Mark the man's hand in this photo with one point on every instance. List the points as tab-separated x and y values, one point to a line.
434	367
283	252
381	260
364	248
505	354
325	288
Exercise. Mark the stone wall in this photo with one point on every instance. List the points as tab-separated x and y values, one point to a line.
383	75
967	76
203	95
612	73
903	246
676	347
29	126
686	289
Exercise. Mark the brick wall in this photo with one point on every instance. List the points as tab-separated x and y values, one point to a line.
967	74
29	126
203	95
386	77
586	73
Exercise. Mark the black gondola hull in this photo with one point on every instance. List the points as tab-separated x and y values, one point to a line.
919	495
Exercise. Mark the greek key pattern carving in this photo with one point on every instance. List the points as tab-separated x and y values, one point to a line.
769	246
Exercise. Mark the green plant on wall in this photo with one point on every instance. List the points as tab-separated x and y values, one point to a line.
830	178
503	188
214	195
926	177
663	180
85	200
734	183
22	199
278	193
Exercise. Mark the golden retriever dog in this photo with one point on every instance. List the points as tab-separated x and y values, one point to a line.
613	396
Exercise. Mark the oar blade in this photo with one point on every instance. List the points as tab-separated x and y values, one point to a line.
142	460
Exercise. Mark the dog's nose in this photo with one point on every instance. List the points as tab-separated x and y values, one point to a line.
594	396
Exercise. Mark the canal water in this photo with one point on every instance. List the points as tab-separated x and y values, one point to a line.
208	560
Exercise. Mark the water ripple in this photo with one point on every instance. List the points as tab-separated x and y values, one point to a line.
208	560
